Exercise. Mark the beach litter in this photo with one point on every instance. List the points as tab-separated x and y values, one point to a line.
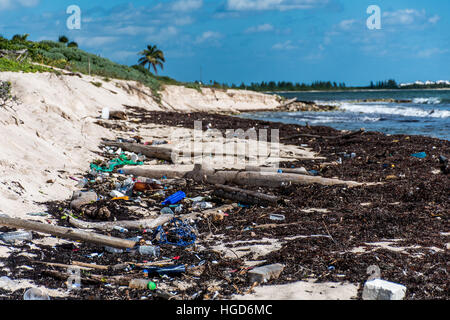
419	155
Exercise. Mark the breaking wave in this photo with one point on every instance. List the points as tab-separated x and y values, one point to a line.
396	110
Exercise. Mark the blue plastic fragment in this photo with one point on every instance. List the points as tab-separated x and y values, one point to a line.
420	155
313	172
175	198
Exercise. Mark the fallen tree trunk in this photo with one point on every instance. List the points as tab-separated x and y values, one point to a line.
245	196
268	179
250	178
162	153
275	170
128	224
67	233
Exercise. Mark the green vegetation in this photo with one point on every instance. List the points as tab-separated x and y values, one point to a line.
97	84
11	65
5	91
71	58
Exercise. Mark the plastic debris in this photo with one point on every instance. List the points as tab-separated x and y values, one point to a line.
11	237
35	294
419	155
277	217
185	234
142	284
7	283
149	251
166	210
121	161
175	198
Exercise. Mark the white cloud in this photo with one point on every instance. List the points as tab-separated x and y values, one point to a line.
261	28
408	17
187	5
427	53
286	45
242	5
207	36
8	4
347	24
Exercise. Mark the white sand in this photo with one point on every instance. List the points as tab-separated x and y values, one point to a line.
303	290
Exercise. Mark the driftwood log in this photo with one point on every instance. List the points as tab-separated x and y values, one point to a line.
245	196
162	153
67	233
128	224
250	178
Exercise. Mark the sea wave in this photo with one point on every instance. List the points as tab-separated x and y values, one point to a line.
432	100
395	110
315	119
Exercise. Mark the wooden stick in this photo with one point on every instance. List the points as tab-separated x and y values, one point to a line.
247	196
89	265
129	224
68	233
61	265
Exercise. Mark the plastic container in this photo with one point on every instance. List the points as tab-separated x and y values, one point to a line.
82	183
120	229
172	270
277	217
105	113
166	210
113	250
154	251
142	284
11	237
35	294
175	198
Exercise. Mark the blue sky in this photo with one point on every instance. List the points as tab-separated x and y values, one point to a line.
254	40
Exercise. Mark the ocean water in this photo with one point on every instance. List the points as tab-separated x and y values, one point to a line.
427	113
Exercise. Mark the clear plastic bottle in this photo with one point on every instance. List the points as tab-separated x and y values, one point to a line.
113	250
149	251
11	237
142	284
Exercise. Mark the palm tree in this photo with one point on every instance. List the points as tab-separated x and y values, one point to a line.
72	44
63	39
153	57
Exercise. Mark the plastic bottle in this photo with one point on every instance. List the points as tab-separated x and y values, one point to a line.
113	250
166	210
149	251
11	237
142	284
82	183
120	229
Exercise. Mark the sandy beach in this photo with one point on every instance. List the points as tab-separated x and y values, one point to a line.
362	199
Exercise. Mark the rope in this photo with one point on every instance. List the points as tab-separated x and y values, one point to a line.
182	230
121	161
